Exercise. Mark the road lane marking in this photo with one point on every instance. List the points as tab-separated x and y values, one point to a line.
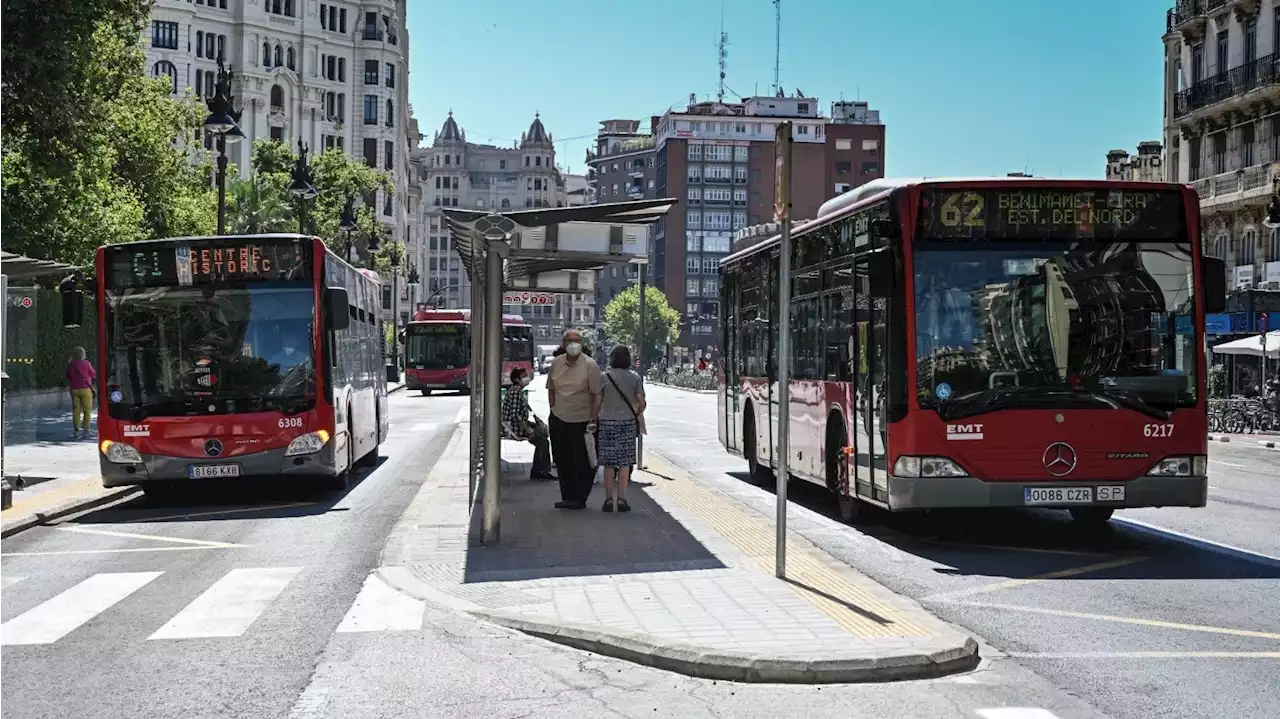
1204	629
220	512
1003	548
1016	713
1227	464
424	427
1012	583
130	535
54	619
379	608
1144	655
9	580
464	415
1209	545
128	550
228	607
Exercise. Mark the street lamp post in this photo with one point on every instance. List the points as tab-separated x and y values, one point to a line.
302	186
393	374
347	224
223	121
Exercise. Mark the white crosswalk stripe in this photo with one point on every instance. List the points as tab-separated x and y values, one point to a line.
228	607
1016	713
50	621
379	608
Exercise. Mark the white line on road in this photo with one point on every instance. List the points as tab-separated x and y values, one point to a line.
9	580
54	619
228	607
1016	713
1144	655
379	608
1227	464
464	415
424	427
152	537
1200	543
128	550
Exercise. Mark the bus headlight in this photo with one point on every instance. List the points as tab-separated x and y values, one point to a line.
120	453
929	467
309	443
1180	466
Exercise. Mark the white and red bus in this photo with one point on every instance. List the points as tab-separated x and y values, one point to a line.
438	349
982	343
234	356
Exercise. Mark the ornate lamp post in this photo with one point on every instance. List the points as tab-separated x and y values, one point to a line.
302	187
348	226
223	121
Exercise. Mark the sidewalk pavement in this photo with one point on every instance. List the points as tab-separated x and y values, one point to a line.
1269	440
72	481
683	582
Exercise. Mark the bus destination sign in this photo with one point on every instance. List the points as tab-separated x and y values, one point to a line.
434	328
220	262
1051	214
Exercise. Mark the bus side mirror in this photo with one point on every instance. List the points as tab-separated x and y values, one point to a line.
336	307
1213	281
884	228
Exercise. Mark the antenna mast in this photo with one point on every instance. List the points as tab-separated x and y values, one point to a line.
777	45
723	52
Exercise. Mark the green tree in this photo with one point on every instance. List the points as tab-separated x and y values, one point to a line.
622	320
257	204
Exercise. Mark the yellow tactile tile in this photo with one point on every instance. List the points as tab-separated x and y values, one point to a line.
24	504
811	577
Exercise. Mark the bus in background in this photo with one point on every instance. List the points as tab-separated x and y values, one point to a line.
982	343
438	349
233	356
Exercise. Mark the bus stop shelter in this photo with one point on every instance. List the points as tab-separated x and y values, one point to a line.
545	249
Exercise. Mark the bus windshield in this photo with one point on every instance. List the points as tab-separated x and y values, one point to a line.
175	351
1054	324
437	346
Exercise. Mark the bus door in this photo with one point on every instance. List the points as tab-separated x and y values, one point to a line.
869	323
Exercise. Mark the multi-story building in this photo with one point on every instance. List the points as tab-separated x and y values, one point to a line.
455	173
1222	125
332	74
1146	166
719	160
622	168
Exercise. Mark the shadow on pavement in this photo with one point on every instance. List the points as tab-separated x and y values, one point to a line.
540	541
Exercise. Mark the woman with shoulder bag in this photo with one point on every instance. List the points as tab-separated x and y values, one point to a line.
621	421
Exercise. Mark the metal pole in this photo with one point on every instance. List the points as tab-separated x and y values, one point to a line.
473	379
302	216
490	526
222	183
395	318
782	147
640	350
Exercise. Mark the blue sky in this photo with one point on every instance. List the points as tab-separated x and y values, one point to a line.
965	87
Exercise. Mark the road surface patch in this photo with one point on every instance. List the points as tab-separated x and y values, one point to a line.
1158	623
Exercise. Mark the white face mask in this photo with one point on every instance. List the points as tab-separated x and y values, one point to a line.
524	381
573	348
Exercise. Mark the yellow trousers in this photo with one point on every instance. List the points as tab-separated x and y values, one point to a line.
81	407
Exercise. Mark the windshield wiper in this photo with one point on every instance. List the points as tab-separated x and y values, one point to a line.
1033	397
1132	400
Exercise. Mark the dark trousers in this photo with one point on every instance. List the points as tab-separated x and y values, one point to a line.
569	446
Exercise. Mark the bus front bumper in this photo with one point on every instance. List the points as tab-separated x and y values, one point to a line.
268	463
967	492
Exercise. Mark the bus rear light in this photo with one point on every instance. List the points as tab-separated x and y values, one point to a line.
929	467
309	443
1180	466
119	452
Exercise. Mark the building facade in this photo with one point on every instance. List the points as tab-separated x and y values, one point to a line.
1222	125
331	74
1146	166
453	172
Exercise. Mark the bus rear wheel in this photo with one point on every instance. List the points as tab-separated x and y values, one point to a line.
852	510
756	472
1092	517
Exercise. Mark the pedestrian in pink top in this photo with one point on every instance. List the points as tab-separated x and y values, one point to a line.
81	376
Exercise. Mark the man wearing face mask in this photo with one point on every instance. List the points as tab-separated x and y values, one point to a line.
518	416
573	391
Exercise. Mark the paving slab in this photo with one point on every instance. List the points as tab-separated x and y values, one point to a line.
683	582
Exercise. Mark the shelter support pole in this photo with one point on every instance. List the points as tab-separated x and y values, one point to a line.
643	367
492	511
473	381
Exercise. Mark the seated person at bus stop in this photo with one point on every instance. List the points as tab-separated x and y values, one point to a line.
521	420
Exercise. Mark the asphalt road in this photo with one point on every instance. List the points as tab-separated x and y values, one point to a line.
215	605
1169	613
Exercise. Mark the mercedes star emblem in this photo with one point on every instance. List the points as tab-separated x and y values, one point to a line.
1060	459
213	447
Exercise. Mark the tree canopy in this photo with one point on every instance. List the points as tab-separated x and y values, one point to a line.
89	139
622	320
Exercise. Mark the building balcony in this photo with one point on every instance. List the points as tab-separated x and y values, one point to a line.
715	201
1250	186
1190	15
1235	85
636	172
719	180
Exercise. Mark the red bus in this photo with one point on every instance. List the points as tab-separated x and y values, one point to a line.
438	349
981	343
256	355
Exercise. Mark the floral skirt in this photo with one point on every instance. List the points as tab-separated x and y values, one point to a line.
617	443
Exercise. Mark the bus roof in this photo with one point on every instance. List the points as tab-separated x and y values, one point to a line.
461	315
875	190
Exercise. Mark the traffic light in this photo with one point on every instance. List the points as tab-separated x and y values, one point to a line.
72	302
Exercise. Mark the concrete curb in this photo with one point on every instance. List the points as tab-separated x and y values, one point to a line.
684	389
1264	443
931	658
70	507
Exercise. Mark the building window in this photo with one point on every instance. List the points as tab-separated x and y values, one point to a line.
266	54
391	75
391	116
164	67
371	152
802	108
693	219
1273	254
277	97
843	167
199	44
288	59
1246	144
708	265
692	287
1222	53
695	152
164	35
371	72
389	150
843	144
870	145
1193	159
1248	246
691	265
693	243
277	57
710	287
1219	152
370	109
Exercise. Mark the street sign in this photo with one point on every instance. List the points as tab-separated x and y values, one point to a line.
529	298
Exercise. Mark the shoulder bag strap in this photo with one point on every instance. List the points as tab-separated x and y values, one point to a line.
620	394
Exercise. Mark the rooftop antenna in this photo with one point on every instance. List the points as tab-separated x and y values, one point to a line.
777	46
723	52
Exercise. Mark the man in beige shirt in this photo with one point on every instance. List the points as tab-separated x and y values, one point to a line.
573	391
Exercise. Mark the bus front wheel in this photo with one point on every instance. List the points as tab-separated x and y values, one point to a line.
1092	517
852	510
426	392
